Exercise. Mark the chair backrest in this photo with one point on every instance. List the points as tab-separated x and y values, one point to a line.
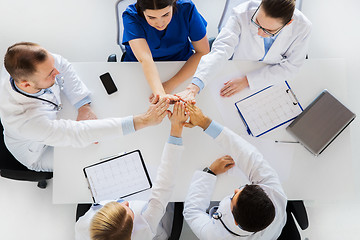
7	159
120	7
230	4
298	4
295	211
11	168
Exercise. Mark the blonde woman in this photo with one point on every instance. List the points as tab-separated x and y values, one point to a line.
139	219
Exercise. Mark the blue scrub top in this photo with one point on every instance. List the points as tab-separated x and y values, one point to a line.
171	44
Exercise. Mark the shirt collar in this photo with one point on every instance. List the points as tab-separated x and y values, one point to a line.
16	88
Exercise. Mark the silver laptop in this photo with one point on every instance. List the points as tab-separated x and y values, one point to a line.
321	122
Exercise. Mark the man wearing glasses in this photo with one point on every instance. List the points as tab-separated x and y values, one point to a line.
254	211
272	31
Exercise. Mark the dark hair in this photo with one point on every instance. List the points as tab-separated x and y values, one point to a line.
142	5
283	9
21	59
254	210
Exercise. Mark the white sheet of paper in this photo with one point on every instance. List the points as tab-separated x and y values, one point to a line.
268	108
117	178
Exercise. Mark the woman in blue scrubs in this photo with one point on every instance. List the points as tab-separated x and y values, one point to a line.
164	30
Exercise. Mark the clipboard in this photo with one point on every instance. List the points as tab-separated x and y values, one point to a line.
118	177
268	109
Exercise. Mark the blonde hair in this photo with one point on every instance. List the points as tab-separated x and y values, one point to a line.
111	222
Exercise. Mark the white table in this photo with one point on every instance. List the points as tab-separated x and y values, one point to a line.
303	176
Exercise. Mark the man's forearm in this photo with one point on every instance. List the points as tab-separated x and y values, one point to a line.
140	121
205	123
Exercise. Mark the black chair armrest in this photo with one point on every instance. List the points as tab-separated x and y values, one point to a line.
297	208
112	58
178	221
29	175
211	41
81	209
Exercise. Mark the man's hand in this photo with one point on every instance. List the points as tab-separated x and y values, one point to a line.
85	113
234	86
188	95
172	98
197	118
222	164
154	115
177	118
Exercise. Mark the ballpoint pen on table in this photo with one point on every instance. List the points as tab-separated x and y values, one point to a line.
279	141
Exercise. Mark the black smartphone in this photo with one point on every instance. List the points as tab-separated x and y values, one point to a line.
108	83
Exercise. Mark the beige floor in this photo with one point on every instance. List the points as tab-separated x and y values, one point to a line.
85	30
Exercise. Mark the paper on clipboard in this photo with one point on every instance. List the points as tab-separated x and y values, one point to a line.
118	177
268	109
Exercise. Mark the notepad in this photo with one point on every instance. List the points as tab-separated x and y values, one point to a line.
118	177
268	109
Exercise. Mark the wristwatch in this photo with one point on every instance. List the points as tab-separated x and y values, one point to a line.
208	170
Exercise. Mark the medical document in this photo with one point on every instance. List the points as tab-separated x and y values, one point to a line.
118	177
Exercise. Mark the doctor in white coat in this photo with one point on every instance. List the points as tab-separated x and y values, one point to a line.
139	220
30	89
254	211
271	31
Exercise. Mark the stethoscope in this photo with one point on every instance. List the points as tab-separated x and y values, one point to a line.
217	216
58	107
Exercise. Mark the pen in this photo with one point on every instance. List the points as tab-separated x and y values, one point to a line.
286	141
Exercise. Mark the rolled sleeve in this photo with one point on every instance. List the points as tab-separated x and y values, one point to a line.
127	125
82	102
214	129
196	81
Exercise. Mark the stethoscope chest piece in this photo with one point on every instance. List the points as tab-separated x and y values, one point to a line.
217	215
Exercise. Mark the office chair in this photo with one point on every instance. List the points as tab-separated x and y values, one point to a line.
294	209
120	7
12	169
176	225
230	4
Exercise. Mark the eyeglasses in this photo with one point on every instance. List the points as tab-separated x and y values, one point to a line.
263	29
240	188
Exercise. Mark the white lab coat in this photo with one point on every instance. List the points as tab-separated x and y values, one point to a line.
147	213
239	38
258	171
30	125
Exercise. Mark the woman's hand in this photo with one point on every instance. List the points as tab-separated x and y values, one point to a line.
234	86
